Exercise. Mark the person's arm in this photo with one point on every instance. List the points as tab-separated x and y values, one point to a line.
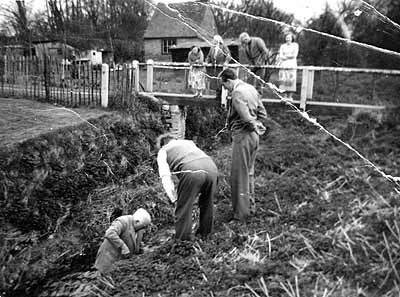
201	58
262	48
227	53
165	175
112	235
261	111
295	51
139	238
282	56
241	106
190	58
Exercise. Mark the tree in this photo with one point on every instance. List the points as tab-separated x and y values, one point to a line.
358	21
118	25
16	22
323	50
378	24
232	24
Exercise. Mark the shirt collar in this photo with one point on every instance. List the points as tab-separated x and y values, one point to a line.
237	82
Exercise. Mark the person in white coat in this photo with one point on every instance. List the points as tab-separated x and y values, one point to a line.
122	239
288	58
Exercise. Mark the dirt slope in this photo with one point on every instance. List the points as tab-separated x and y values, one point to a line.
326	224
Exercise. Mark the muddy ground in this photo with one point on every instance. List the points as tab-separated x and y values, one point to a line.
326	221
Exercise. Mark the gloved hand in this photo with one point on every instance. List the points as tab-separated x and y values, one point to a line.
169	188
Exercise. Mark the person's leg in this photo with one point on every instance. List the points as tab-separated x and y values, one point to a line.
206	199
188	188
244	144
253	154
259	82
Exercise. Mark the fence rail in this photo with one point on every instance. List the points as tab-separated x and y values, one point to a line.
83	84
317	85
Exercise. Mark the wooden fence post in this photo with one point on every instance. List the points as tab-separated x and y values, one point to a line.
46	72
135	66
310	84
104	85
304	87
149	82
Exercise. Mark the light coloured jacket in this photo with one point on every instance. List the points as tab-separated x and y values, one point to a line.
120	233
246	108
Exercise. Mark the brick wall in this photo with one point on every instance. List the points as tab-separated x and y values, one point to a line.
177	121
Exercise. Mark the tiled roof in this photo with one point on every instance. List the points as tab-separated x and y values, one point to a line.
170	22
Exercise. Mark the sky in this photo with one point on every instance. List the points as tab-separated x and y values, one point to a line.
302	9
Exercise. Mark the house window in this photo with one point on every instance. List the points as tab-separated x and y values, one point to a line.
166	44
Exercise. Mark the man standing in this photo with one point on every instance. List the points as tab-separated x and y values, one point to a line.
257	53
197	174
243	120
122	238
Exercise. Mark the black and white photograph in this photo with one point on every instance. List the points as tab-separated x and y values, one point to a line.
199	148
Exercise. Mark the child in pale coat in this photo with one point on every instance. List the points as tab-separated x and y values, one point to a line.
122	239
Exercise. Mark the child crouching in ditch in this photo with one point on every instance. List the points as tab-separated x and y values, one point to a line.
122	239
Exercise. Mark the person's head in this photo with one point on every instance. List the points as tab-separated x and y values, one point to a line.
195	49
228	78
289	37
244	38
164	139
141	219
217	40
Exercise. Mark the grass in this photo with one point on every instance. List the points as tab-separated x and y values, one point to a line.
24	119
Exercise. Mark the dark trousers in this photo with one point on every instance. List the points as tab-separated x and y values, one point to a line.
215	82
244	150
256	82
190	185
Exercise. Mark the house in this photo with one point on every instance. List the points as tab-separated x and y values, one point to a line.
167	28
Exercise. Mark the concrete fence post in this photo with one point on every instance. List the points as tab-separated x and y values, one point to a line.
149	82
104	85
136	73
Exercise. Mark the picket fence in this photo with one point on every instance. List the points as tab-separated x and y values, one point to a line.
73	84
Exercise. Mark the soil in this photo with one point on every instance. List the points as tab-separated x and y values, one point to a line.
326	222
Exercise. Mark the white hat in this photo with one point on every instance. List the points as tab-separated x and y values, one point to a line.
143	216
